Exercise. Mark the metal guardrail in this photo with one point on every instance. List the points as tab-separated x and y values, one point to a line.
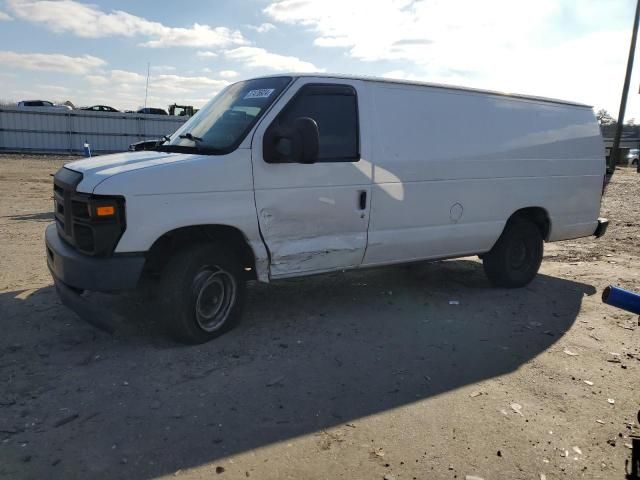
38	130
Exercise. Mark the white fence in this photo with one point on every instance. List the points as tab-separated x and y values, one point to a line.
39	130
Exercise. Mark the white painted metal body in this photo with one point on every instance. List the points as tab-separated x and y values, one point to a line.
442	169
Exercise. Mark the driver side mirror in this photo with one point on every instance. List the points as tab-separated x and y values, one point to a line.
298	143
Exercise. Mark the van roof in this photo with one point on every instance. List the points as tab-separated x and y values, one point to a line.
434	85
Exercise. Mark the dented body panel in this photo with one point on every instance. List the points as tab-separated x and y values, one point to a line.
310	216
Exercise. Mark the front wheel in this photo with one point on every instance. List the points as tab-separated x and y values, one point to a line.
515	258
202	293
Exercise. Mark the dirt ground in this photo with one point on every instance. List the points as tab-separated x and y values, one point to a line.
371	374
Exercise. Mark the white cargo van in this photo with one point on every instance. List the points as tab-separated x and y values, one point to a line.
294	175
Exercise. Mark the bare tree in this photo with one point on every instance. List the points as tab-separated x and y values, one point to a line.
604	117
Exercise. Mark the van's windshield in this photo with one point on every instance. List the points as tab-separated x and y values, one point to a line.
221	125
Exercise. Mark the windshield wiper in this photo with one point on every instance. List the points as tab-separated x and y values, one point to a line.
190	136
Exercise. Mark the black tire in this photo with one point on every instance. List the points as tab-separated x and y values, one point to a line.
201	293
515	258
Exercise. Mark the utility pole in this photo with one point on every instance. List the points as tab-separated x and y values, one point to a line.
146	89
613	157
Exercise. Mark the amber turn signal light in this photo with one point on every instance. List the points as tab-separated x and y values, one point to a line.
105	211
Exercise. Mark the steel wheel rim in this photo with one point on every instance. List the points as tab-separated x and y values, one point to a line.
215	292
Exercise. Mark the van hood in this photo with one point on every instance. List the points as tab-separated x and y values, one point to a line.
97	169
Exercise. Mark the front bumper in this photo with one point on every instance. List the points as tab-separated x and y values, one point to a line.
73	271
601	229
101	274
89	312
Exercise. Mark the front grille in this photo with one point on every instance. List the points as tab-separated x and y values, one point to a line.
72	212
65	182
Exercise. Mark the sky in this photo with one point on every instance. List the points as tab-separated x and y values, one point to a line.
97	52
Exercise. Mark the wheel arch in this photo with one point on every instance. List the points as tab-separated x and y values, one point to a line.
538	215
172	241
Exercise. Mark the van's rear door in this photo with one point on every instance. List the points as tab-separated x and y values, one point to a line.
314	218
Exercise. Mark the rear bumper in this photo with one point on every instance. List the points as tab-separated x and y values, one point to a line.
77	270
601	229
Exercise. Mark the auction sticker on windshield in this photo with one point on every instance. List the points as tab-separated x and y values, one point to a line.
259	93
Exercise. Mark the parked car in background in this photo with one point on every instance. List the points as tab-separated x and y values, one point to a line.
632	156
100	108
42	104
145	145
152	111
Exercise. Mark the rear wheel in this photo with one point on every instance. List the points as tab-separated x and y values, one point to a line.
515	258
202	293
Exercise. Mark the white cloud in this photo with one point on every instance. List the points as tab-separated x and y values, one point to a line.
228	74
196	36
5	17
97	80
165	83
558	48
163	68
179	84
48	90
401	75
50	62
412	31
126	90
262	28
254	57
124	76
206	54
89	21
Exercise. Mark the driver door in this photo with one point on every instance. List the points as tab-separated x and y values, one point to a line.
314	217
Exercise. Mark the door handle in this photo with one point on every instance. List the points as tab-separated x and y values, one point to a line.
362	200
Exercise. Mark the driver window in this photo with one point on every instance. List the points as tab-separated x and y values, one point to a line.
335	110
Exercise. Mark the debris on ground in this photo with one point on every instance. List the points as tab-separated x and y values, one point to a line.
65	420
614	358
516	407
275	381
378	452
